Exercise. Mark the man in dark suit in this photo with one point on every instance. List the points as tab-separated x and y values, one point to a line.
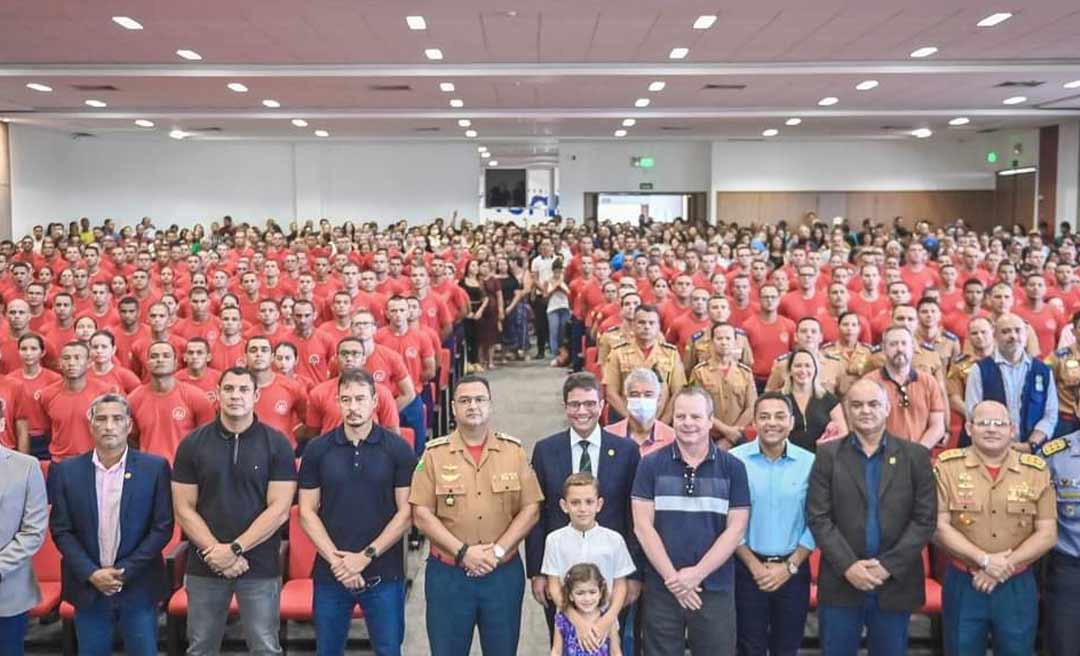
111	518
872	507
613	460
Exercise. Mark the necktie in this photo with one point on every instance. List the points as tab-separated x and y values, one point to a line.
585	463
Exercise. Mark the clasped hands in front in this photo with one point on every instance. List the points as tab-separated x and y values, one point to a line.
480	560
999	568
867	575
221	559
685	584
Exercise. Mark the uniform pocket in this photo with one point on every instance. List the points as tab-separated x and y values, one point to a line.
507	488
449	498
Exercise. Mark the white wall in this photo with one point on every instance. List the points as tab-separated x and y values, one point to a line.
589	166
185	182
1068	173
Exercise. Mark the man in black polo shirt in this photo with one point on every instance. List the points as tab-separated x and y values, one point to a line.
233	483
354	505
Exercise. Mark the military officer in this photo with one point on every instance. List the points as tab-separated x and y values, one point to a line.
996	516
808	337
622	333
648	351
930	332
730	383
1065	363
700	347
1062	583
476	497
853	355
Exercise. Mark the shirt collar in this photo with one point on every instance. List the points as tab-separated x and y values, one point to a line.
911	377
853	440
676	454
593	439
120	464
756	450
374	437
1000	359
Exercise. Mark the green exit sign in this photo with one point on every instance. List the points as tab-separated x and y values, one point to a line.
647	163
991	157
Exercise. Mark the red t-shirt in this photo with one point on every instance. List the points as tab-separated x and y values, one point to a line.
189	329
1047	324
282	405
795	307
164	420
684	328
124	343
313	355
768	341
207	382
434	313
386	367
225	356
36	419
917	282
140	353
13	400
69	418
413	349
324	412
120	380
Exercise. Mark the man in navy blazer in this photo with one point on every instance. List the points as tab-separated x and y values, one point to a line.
111	519
613	460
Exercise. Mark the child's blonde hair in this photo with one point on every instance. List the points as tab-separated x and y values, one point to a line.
584	573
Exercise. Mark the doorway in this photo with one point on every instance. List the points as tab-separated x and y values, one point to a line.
623	206
1014	198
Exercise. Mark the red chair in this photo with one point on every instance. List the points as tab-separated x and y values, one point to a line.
46	564
45	467
176	609
815	568
932	605
591	364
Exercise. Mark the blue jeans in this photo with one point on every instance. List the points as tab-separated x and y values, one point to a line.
13	633
771	622
457	604
384	612
557	320
208	611
134	618
842	629
1010	613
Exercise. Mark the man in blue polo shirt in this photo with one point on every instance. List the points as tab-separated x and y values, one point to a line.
691	506
354	505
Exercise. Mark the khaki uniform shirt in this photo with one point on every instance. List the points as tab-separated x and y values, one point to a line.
830	369
855	362
1000	514
611	338
700	349
956	380
1032	345
663	359
925	358
732	389
947	346
475	502
1065	363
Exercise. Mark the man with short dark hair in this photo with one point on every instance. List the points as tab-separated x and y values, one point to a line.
66	402
165	409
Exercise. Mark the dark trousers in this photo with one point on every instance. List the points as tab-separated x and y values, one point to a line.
1010	614
666	626
771	623
1066	424
384	613
472	348
540	323
577	355
457	604
134	619
842	629
12	634
1061	592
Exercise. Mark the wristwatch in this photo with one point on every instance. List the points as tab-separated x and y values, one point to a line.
985	561
371	552
792	568
500	553
236	549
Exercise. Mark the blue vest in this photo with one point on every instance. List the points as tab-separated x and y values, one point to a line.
1032	396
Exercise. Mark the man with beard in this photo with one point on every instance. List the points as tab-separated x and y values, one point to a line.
916	398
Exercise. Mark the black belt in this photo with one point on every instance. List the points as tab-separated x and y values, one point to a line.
772	559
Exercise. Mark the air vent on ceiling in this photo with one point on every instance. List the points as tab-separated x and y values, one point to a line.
724	87
893	128
675	128
431	129
82	135
210	129
744	140
1029	84
986	131
94	87
389	87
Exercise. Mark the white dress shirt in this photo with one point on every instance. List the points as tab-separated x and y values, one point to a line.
594	450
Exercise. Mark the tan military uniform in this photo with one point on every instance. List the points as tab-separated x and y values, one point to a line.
830	368
732	389
956	381
611	338
855	362
1000	514
947	346
1032	345
1065	363
475	501
700	349
663	359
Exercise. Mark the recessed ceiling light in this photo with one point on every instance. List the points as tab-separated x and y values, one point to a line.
481	149
237	87
97	103
771	132
5	120
629	123
177	134
39	87
1014	100
143	123
299	122
642	102
828	100
471	134
866	85
127	22
189	55
446	87
433	53
493	162
271	103
1075	84
704	22
793	121
960	120
322	133
922	133
679	53
994	19
657	86
485	154
925	51
457	102
620	133
416	22
464	123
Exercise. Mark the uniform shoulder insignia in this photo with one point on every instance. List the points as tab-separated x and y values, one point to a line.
1032	461
622	345
950	336
745	367
438	441
697	335
963	357
669	345
830	356
1054	446
612	328
1062	353
927	345
740	331
783	356
508	438
951	454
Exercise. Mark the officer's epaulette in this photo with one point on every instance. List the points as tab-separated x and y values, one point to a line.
830	356
783	356
927	345
1062	353
702	364
951	454
1032	461
827	345
508	438
962	357
438	441
613	328
740	331
1054	446
745	367
951	336
697	335
669	346
622	345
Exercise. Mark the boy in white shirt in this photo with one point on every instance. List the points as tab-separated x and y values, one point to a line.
585	541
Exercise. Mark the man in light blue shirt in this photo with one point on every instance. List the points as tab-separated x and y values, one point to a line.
772	573
1021	383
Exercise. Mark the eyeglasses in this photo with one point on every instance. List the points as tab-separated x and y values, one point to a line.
472	400
690	478
579	405
992	423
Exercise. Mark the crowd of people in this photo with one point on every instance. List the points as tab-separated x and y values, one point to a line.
888	404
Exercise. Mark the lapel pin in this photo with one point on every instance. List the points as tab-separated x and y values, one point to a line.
892	460
611	452
127	474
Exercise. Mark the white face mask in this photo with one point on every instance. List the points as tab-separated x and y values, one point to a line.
642	409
